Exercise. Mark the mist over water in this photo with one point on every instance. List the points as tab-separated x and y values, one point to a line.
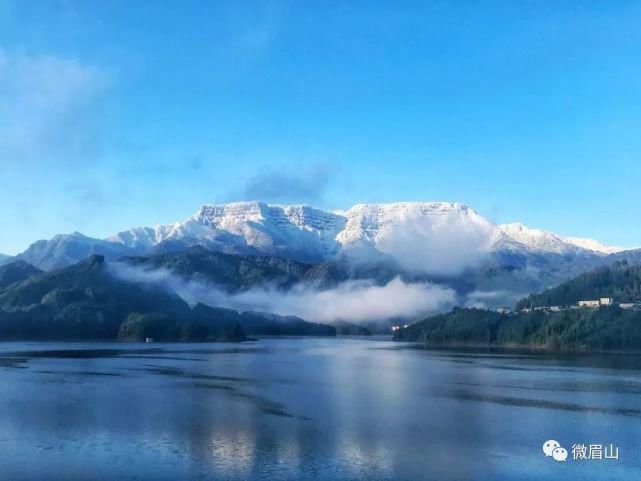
353	300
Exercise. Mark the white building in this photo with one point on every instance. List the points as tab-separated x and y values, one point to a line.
589	303
603	301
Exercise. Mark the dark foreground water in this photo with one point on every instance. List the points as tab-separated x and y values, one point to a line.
310	409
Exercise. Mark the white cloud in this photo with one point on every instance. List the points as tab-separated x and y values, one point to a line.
492	299
446	246
354	301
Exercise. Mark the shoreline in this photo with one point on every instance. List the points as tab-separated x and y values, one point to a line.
514	348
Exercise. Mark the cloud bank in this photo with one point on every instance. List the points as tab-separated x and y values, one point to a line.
445	245
354	301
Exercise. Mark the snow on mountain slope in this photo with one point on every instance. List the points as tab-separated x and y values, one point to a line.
535	239
593	245
439	236
142	237
66	249
434	237
301	230
547	242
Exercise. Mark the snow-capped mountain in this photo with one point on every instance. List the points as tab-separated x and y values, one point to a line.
65	249
436	237
593	245
298	232
544	241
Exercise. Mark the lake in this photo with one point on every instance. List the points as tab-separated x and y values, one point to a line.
323	409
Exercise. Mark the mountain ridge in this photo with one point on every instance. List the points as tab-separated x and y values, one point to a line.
88	301
308	234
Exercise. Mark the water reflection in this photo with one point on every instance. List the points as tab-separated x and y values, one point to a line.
307	409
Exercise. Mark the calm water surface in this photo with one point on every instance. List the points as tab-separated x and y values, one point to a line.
310	409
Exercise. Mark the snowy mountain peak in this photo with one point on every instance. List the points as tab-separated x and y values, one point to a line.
545	241
440	237
297	230
535	239
593	245
213	213
412	208
371	222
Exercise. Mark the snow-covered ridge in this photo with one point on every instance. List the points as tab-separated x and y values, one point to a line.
594	245
442	237
545	241
322	233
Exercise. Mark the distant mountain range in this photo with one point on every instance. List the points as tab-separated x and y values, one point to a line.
251	268
312	235
446	243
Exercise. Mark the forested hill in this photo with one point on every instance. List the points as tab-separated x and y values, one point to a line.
88	301
620	281
605	327
85	301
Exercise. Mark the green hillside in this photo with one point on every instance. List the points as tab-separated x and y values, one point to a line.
603	328
619	281
85	301
607	328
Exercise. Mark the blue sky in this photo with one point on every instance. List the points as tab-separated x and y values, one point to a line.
119	113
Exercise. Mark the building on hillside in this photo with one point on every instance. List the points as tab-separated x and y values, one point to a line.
503	310
589	303
603	301
555	308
